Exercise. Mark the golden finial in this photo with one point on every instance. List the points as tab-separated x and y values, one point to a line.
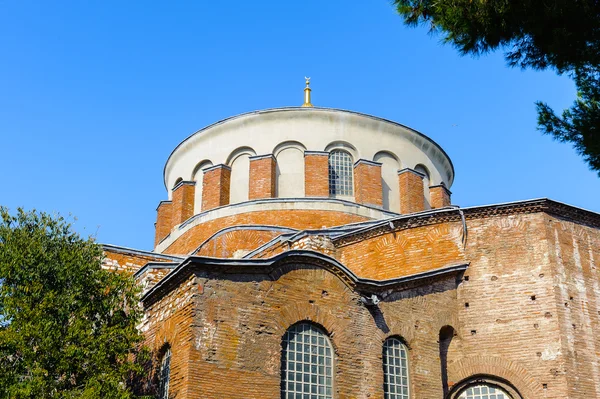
307	91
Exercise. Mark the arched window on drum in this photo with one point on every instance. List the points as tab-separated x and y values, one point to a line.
306	363
341	171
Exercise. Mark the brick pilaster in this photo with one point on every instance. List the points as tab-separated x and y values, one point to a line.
215	186
412	197
439	196
183	201
367	183
316	173
262	177
164	215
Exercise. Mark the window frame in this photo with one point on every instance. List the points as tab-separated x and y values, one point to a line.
347	186
163	388
403	347
308	377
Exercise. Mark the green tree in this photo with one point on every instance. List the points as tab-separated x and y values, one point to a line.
67	326
561	34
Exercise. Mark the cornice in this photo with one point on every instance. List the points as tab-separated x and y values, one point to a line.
455	214
280	264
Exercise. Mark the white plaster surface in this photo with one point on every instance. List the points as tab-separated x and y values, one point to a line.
316	129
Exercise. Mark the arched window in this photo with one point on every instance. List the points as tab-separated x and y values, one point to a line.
340	173
395	370
164	375
483	391
306	363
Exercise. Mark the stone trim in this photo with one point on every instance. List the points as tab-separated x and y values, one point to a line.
183	183
257	157
441	186
405	170
155	265
290	260
367	162
131	251
217	166
322	153
163	202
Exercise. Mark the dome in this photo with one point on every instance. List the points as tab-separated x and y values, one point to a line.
297	168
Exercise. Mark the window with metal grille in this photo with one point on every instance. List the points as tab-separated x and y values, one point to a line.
306	363
164	376
340	173
395	370
483	392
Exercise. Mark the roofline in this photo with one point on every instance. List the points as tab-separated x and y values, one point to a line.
305	109
546	205
273	265
132	251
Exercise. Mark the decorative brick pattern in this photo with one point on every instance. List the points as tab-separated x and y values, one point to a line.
262	177
296	219
367	183
439	196
412	198
183	202
163	225
316	174
215	186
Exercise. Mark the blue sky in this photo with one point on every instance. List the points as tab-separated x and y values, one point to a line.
95	95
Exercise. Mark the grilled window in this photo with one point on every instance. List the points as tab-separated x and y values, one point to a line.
164	376
340	173
395	370
483	392
306	363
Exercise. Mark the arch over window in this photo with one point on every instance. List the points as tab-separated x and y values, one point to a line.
396	384
306	363
239	160
484	391
290	169
198	177
164	375
341	170
426	182
389	180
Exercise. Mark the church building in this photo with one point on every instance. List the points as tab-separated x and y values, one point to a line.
315	253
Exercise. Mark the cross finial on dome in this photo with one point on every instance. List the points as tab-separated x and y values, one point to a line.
307	91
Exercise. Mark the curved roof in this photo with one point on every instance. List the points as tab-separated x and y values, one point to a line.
367	118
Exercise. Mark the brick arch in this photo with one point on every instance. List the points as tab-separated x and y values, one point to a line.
467	368
166	335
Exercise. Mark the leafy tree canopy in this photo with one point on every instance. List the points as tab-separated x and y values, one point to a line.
560	34
67	326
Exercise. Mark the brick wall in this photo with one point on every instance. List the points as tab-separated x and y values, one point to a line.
183	202
367	183
164	223
316	174
574	251
526	310
299	219
215	186
262	177
412	198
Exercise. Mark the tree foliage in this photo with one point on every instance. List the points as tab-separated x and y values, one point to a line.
67	326
559	34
